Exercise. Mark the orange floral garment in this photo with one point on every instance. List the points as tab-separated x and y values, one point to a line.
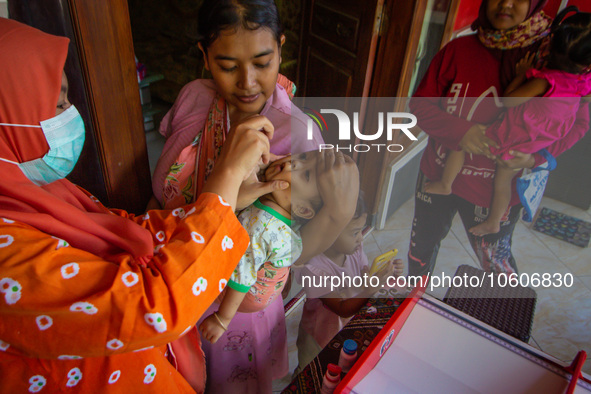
71	321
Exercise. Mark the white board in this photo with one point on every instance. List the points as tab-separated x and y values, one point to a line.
439	352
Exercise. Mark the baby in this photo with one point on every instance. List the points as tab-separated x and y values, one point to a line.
245	333
274	240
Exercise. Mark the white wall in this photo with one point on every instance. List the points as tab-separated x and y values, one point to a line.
3	8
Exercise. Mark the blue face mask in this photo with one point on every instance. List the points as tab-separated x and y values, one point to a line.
65	136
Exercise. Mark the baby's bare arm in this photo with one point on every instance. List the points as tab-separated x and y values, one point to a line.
534	87
213	327
521	89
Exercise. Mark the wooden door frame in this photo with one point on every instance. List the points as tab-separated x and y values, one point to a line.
114	101
114	164
389	80
450	22
392	79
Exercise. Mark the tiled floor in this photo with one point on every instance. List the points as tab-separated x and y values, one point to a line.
562	315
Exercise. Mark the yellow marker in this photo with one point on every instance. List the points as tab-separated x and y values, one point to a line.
380	261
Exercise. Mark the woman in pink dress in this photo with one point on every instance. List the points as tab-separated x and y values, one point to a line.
529	126
241	43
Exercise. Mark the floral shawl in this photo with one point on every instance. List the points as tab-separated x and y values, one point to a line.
190	171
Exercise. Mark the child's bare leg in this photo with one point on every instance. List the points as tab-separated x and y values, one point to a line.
500	202
453	166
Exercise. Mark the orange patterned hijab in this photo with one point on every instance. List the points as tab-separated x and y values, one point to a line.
30	81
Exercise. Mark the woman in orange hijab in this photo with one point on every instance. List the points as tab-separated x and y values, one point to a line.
89	297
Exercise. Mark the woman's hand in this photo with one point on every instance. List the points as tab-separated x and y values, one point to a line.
337	179
519	161
338	183
245	147
476	142
253	187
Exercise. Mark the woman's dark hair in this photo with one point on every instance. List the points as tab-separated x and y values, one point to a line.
216	16
570	46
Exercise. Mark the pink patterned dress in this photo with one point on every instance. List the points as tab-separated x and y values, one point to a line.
196	128
541	121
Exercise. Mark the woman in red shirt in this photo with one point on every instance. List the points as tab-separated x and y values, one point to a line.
458	95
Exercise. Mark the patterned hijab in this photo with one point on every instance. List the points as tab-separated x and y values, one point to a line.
30	82
511	45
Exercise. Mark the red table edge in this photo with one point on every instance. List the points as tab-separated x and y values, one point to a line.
368	360
576	367
386	336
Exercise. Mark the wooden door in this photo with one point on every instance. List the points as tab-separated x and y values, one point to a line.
338	47
398	61
368	48
103	86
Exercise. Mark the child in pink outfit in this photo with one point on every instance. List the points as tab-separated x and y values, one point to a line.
325	312
527	125
241	45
